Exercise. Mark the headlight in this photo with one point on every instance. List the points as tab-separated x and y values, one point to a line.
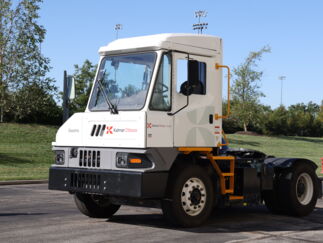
121	160
60	157
125	160
73	153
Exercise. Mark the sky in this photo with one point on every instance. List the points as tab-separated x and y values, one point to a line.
292	28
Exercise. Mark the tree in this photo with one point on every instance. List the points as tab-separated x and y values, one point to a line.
276	122
246	90
83	77
129	90
320	115
21	61
297	120
43	108
302	120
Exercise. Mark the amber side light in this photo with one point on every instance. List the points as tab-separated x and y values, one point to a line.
135	161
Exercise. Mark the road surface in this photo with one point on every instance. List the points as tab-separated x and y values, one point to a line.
31	213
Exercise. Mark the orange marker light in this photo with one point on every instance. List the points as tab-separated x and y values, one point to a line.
135	161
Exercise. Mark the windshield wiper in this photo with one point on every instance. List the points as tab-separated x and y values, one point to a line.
113	108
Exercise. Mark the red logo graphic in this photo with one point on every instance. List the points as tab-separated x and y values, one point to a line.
109	130
149	125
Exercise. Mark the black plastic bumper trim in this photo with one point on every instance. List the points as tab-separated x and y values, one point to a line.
109	182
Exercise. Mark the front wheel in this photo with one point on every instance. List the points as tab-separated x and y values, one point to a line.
95	206
190	196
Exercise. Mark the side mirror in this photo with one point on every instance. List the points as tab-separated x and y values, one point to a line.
70	87
186	88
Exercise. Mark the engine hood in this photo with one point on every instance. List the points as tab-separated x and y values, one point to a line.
102	129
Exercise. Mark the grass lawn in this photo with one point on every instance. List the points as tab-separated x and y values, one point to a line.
25	150
296	147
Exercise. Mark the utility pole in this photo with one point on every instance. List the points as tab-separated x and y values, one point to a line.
281	78
65	99
117	28
200	26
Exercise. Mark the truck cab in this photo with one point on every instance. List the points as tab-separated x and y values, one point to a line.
152	132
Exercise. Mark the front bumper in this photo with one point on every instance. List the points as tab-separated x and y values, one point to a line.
109	182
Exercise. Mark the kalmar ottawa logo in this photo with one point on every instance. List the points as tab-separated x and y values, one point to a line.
113	130
109	130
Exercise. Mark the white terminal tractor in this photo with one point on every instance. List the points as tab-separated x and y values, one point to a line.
151	135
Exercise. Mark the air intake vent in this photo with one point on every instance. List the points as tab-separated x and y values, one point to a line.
98	130
90	158
85	181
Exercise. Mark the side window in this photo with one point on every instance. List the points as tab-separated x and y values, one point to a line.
161	97
181	73
193	71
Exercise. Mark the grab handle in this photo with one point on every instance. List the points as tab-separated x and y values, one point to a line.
216	116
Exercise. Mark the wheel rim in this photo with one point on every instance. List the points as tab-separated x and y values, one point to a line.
304	189
193	196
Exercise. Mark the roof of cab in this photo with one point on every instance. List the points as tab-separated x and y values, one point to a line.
206	45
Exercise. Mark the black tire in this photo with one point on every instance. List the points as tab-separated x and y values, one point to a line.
183	179
95	206
288	195
273	203
293	203
272	198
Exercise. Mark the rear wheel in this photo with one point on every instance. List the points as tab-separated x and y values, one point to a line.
303	193
95	206
295	193
272	202
190	196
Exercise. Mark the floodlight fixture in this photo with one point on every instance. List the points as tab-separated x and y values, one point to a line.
200	26
117	28
200	13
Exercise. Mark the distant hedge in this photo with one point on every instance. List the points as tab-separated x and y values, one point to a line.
296	120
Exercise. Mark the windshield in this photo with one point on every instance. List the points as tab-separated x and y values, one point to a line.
125	80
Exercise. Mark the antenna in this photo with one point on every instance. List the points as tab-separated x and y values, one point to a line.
200	26
117	28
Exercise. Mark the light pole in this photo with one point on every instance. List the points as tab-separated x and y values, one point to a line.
281	78
117	28
200	26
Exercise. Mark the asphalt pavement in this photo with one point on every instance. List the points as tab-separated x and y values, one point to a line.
32	213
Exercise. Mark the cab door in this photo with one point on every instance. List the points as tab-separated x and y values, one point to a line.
194	125
159	122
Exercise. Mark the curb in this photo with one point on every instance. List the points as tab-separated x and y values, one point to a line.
22	182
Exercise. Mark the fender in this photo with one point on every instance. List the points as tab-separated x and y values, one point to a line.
283	163
287	162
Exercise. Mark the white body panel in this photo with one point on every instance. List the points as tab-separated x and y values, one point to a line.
127	130
192	43
191	125
145	128
160	132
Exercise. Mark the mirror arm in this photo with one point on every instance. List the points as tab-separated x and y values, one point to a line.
187	100
187	103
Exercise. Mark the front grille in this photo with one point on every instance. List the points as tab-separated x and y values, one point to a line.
85	181
89	158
